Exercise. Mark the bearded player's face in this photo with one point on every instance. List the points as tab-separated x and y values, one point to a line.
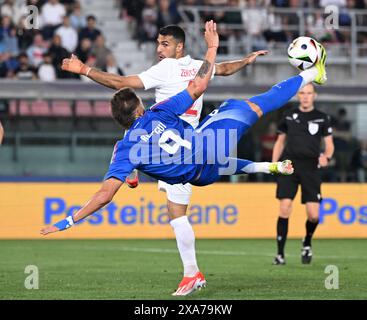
168	47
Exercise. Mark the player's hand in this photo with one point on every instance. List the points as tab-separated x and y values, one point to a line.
251	58
323	161
49	229
74	65
211	34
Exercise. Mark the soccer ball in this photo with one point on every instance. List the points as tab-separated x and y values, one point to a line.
303	52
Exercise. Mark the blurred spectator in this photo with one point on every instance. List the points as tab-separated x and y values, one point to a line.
316	28
342	141
68	4
148	31
100	52
84	49
254	17
5	27
166	14
25	36
188	13
25	71
280	3
58	53
77	19
36	50
46	71
8	37
268	141
338	3
68	35
345	20
233	18
112	67
52	13
359	162
90	31
131	12
275	28
7	65
14	9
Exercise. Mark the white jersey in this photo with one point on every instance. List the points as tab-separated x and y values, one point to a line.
171	76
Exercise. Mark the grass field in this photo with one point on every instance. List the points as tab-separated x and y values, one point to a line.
151	269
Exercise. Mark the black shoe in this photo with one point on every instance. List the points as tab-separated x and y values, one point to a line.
306	255
279	260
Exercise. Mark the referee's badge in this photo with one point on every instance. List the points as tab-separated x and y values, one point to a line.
313	128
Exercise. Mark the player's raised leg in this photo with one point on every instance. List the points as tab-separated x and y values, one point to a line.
282	92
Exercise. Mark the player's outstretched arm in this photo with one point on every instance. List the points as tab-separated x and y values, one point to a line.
98	201
110	80
201	80
228	68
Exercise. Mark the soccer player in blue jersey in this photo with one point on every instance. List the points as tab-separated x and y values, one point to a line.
163	146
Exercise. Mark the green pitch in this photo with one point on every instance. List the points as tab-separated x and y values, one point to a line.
151	269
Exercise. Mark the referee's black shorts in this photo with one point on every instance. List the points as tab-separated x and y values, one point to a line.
305	174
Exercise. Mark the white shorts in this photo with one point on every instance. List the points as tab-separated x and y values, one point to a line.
177	193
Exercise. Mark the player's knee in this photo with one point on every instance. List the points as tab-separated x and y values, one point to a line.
176	210
285	208
314	218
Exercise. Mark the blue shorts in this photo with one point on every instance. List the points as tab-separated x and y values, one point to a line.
227	125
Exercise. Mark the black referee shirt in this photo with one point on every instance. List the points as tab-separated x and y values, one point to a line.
304	131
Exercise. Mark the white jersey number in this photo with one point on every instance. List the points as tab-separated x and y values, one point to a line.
178	142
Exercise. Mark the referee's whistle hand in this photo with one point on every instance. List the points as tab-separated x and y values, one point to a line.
323	161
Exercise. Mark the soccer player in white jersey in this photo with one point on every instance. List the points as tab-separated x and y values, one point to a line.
168	77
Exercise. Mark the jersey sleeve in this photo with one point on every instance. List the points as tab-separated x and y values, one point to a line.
282	125
156	75
120	166
175	105
327	130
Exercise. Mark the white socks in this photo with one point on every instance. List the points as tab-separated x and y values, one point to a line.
308	76
185	238
257	167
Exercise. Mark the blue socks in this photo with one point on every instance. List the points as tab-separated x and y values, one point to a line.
278	95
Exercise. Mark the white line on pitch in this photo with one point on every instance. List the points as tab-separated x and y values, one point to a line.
228	253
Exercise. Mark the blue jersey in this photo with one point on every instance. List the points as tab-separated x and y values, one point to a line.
167	148
156	145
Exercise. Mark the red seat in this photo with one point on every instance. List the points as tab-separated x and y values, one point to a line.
83	109
102	109
61	109
40	108
24	108
13	108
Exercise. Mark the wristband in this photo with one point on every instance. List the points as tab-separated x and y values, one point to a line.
84	70
65	223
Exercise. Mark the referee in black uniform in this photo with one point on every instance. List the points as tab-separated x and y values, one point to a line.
301	131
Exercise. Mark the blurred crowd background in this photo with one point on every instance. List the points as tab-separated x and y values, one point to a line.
65	29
